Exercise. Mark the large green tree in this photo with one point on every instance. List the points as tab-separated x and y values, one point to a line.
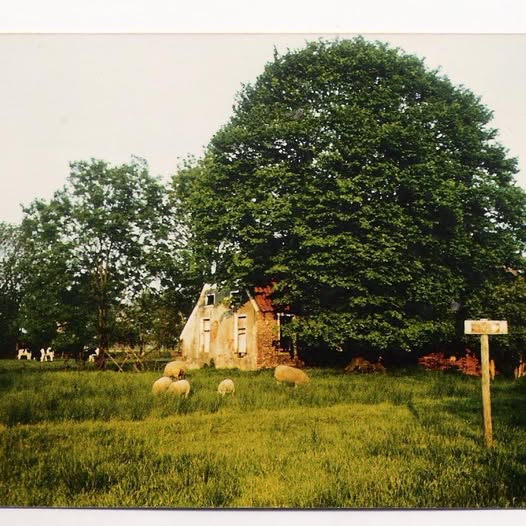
100	242
368	188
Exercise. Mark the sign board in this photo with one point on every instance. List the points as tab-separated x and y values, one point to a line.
485	327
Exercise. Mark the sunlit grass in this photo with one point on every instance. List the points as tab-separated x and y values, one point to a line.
401	440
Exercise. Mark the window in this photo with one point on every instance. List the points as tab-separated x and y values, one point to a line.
240	335
210	299
205	335
235	299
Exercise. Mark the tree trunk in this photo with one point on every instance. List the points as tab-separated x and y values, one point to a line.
102	318
102	336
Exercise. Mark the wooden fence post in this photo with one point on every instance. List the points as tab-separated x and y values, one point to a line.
485	327
486	396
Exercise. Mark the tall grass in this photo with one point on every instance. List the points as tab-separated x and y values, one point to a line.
401	440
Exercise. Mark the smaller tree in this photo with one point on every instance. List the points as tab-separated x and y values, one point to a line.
98	244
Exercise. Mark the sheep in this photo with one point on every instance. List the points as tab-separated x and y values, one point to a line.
290	375
161	385
180	387
226	386
176	369
24	353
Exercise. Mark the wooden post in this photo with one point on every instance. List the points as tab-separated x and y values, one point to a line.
486	396
485	327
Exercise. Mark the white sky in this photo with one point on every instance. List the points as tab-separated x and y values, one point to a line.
67	97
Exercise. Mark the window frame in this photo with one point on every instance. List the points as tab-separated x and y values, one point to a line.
237	333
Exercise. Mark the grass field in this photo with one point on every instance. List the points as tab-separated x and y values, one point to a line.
408	439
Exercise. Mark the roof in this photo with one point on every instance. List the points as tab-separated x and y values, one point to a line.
262	298
261	295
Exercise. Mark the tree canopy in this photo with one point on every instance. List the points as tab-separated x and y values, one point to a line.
100	243
371	190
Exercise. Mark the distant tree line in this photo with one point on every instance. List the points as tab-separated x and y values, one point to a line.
369	190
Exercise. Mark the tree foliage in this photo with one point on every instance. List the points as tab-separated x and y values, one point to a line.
98	244
152	319
369	188
503	298
10	290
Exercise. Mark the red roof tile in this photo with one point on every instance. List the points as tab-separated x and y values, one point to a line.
262	298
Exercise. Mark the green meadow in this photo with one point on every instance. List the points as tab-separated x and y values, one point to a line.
406	439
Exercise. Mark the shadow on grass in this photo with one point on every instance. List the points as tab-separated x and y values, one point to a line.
507	403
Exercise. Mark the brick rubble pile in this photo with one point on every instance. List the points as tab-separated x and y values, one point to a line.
468	364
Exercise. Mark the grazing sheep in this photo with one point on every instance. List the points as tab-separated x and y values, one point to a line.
161	385
176	369
290	375
180	387
24	353
225	387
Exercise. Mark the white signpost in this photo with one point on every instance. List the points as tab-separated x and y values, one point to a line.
486	327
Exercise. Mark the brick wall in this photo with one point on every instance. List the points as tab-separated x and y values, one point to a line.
269	352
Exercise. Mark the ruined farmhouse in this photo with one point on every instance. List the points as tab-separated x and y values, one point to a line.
237	329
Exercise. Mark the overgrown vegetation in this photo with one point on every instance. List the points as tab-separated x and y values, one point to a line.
406	439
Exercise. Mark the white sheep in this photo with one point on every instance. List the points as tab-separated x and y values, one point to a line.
290	375
161	385
175	369
226	386
24	353
180	387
